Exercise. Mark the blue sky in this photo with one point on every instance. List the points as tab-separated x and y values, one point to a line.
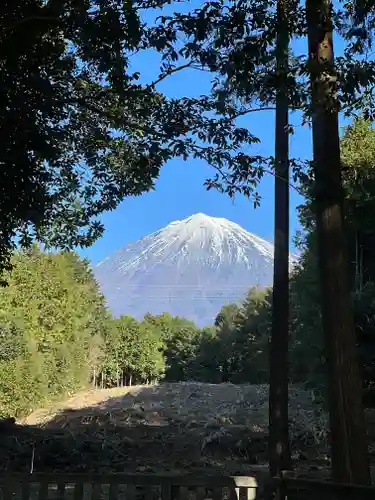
179	190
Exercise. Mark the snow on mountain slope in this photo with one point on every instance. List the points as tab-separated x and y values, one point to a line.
189	268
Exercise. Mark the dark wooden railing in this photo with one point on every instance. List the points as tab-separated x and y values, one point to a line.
40	486
126	486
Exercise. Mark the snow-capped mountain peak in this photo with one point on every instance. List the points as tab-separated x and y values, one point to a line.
189	268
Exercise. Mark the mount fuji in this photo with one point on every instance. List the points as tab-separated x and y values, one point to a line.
190	268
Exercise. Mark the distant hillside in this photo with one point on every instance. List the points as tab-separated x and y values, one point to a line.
190	268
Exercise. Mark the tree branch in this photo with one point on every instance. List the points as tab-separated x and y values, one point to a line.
265	170
247	111
171	72
298	190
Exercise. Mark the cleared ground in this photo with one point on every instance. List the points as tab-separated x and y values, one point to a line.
169	427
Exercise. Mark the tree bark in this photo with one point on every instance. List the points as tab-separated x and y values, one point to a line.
279	452
347	423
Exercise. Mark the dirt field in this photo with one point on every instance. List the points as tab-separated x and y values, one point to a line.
168	427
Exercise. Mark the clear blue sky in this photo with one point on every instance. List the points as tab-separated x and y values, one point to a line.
179	191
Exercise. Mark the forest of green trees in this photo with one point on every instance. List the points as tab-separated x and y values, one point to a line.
58	337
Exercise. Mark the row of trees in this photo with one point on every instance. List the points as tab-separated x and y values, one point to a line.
57	337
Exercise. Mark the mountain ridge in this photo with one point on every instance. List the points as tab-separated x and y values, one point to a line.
190	268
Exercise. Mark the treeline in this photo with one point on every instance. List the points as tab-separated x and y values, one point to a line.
57	337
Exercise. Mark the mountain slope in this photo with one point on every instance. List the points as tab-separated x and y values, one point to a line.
189	268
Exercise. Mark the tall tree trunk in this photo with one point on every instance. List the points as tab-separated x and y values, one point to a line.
348	435
279	453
